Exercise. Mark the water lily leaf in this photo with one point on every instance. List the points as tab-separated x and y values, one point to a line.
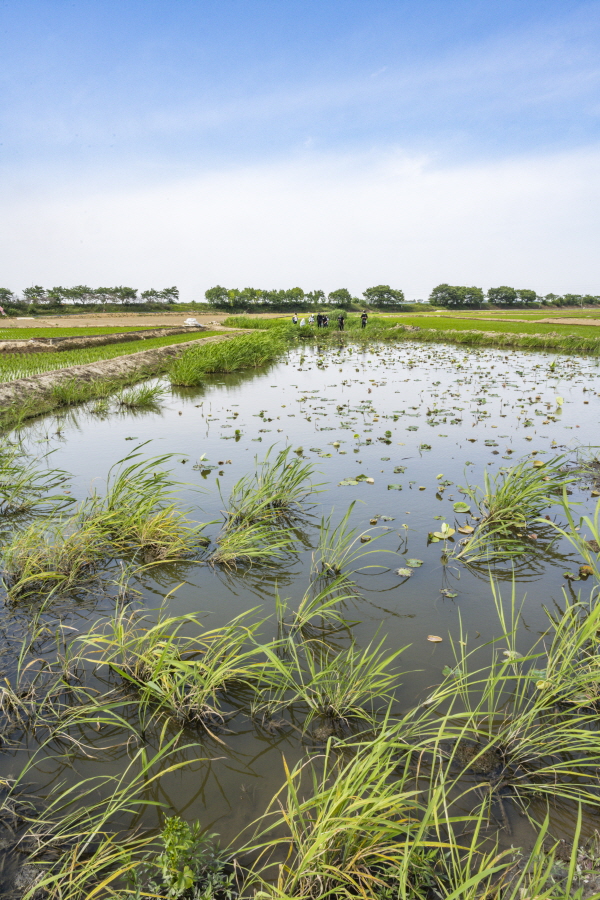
434	638
404	572
415	563
424	447
325	455
399	470
348	481
466	529
394	487
446	593
460	506
512	654
538	463
413	428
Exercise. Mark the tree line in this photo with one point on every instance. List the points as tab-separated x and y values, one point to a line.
382	296
82	295
456	296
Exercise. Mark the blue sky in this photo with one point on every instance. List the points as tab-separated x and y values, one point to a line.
316	143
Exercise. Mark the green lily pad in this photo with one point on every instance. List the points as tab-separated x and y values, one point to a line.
348	481
394	487
414	563
461	507
446	593
404	573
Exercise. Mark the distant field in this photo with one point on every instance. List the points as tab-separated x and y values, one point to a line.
457	324
566	313
51	331
22	365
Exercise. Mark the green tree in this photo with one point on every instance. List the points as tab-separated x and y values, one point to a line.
315	298
217	296
6	297
455	296
383	295
341	297
35	294
502	296
526	296
170	294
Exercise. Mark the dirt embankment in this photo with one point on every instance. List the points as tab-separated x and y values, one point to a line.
37	391
79	342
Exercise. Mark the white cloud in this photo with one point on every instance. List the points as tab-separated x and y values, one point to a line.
328	222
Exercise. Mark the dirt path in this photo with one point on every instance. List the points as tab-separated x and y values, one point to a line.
36	391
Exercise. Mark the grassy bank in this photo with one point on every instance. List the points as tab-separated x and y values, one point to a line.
510	335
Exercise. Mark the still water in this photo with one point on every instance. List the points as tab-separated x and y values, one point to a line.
417	420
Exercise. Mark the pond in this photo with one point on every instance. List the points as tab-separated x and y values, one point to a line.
394	430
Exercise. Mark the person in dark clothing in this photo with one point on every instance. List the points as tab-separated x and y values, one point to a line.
325	321
319	320
363	319
341	321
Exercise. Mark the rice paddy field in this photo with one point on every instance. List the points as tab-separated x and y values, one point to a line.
323	627
13	365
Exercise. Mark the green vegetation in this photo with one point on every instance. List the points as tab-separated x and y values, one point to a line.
248	351
14	366
57	331
508	505
579	339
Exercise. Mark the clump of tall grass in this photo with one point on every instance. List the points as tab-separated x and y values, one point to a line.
351	835
51	557
260	510
145	396
25	486
508	504
138	515
340	547
186	678
248	351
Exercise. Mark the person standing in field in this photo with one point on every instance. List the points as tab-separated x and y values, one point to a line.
319	320
295	319
363	319
341	321
325	321
311	319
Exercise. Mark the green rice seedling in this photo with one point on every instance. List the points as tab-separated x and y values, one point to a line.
522	723
323	603
508	504
247	351
145	396
348	832
340	547
276	488
27	487
101	407
253	543
137	513
185	678
55	557
82	853
346	686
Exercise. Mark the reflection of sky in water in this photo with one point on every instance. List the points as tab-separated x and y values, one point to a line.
473	409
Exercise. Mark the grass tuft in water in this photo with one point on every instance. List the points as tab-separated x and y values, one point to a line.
249	351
